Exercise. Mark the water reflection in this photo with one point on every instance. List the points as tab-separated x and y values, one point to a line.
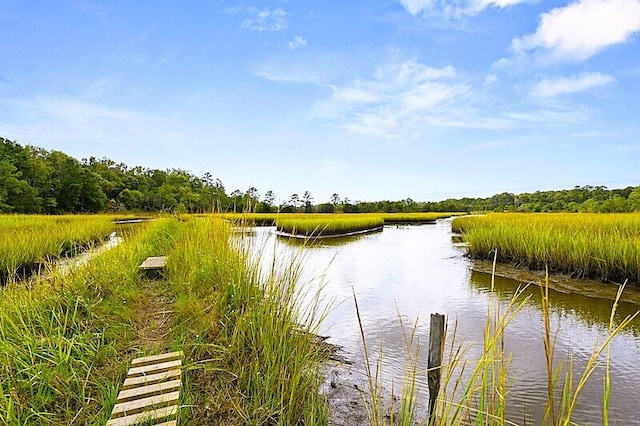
408	272
319	242
591	311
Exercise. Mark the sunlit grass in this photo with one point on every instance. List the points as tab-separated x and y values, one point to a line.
251	355
256	359
334	225
64	341
327	224
29	241
427	217
602	246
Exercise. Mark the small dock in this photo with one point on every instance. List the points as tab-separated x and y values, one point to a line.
150	392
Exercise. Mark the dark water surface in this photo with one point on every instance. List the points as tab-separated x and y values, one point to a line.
405	273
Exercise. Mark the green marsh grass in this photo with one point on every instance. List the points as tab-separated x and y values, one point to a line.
601	246
255	356
427	217
251	355
30	241
65	342
333	225
270	219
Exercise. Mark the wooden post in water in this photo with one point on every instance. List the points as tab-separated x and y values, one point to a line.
436	337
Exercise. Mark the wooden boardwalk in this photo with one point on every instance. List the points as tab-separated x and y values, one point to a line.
153	263
150	393
153	267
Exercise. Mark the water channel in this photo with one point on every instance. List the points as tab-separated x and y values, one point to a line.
407	272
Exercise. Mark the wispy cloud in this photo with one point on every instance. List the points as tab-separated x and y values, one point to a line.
549	88
73	110
71	120
297	42
266	20
455	9
406	100
582	29
400	97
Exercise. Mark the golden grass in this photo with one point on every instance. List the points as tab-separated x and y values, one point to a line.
602	246
29	241
329	225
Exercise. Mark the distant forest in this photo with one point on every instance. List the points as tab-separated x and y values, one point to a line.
35	180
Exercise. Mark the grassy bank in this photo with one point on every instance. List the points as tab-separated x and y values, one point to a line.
66	343
270	219
257	361
329	224
30	241
601	246
332	225
391	218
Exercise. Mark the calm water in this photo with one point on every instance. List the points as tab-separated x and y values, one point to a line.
408	272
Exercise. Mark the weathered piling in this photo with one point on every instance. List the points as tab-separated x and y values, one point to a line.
436	346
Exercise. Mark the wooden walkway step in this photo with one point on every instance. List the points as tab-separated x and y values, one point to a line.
153	263
150	393
153	266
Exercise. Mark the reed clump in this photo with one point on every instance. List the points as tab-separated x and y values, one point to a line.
600	246
30	241
427	217
252	343
326	226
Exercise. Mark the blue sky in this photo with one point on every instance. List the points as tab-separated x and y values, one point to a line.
426	99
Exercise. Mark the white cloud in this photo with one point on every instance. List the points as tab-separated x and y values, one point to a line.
399	99
71	120
550	88
582	29
416	6
266	20
491	79
74	110
455	9
297	42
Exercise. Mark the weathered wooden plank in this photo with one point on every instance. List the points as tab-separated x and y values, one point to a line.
153	262
155	359
151	379
154	368
145	391
164	413
139	405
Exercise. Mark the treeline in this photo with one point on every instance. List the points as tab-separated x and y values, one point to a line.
587	199
35	180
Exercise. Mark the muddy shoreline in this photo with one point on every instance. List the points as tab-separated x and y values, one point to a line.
559	282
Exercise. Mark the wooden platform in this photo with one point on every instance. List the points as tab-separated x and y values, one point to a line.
150	393
153	263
